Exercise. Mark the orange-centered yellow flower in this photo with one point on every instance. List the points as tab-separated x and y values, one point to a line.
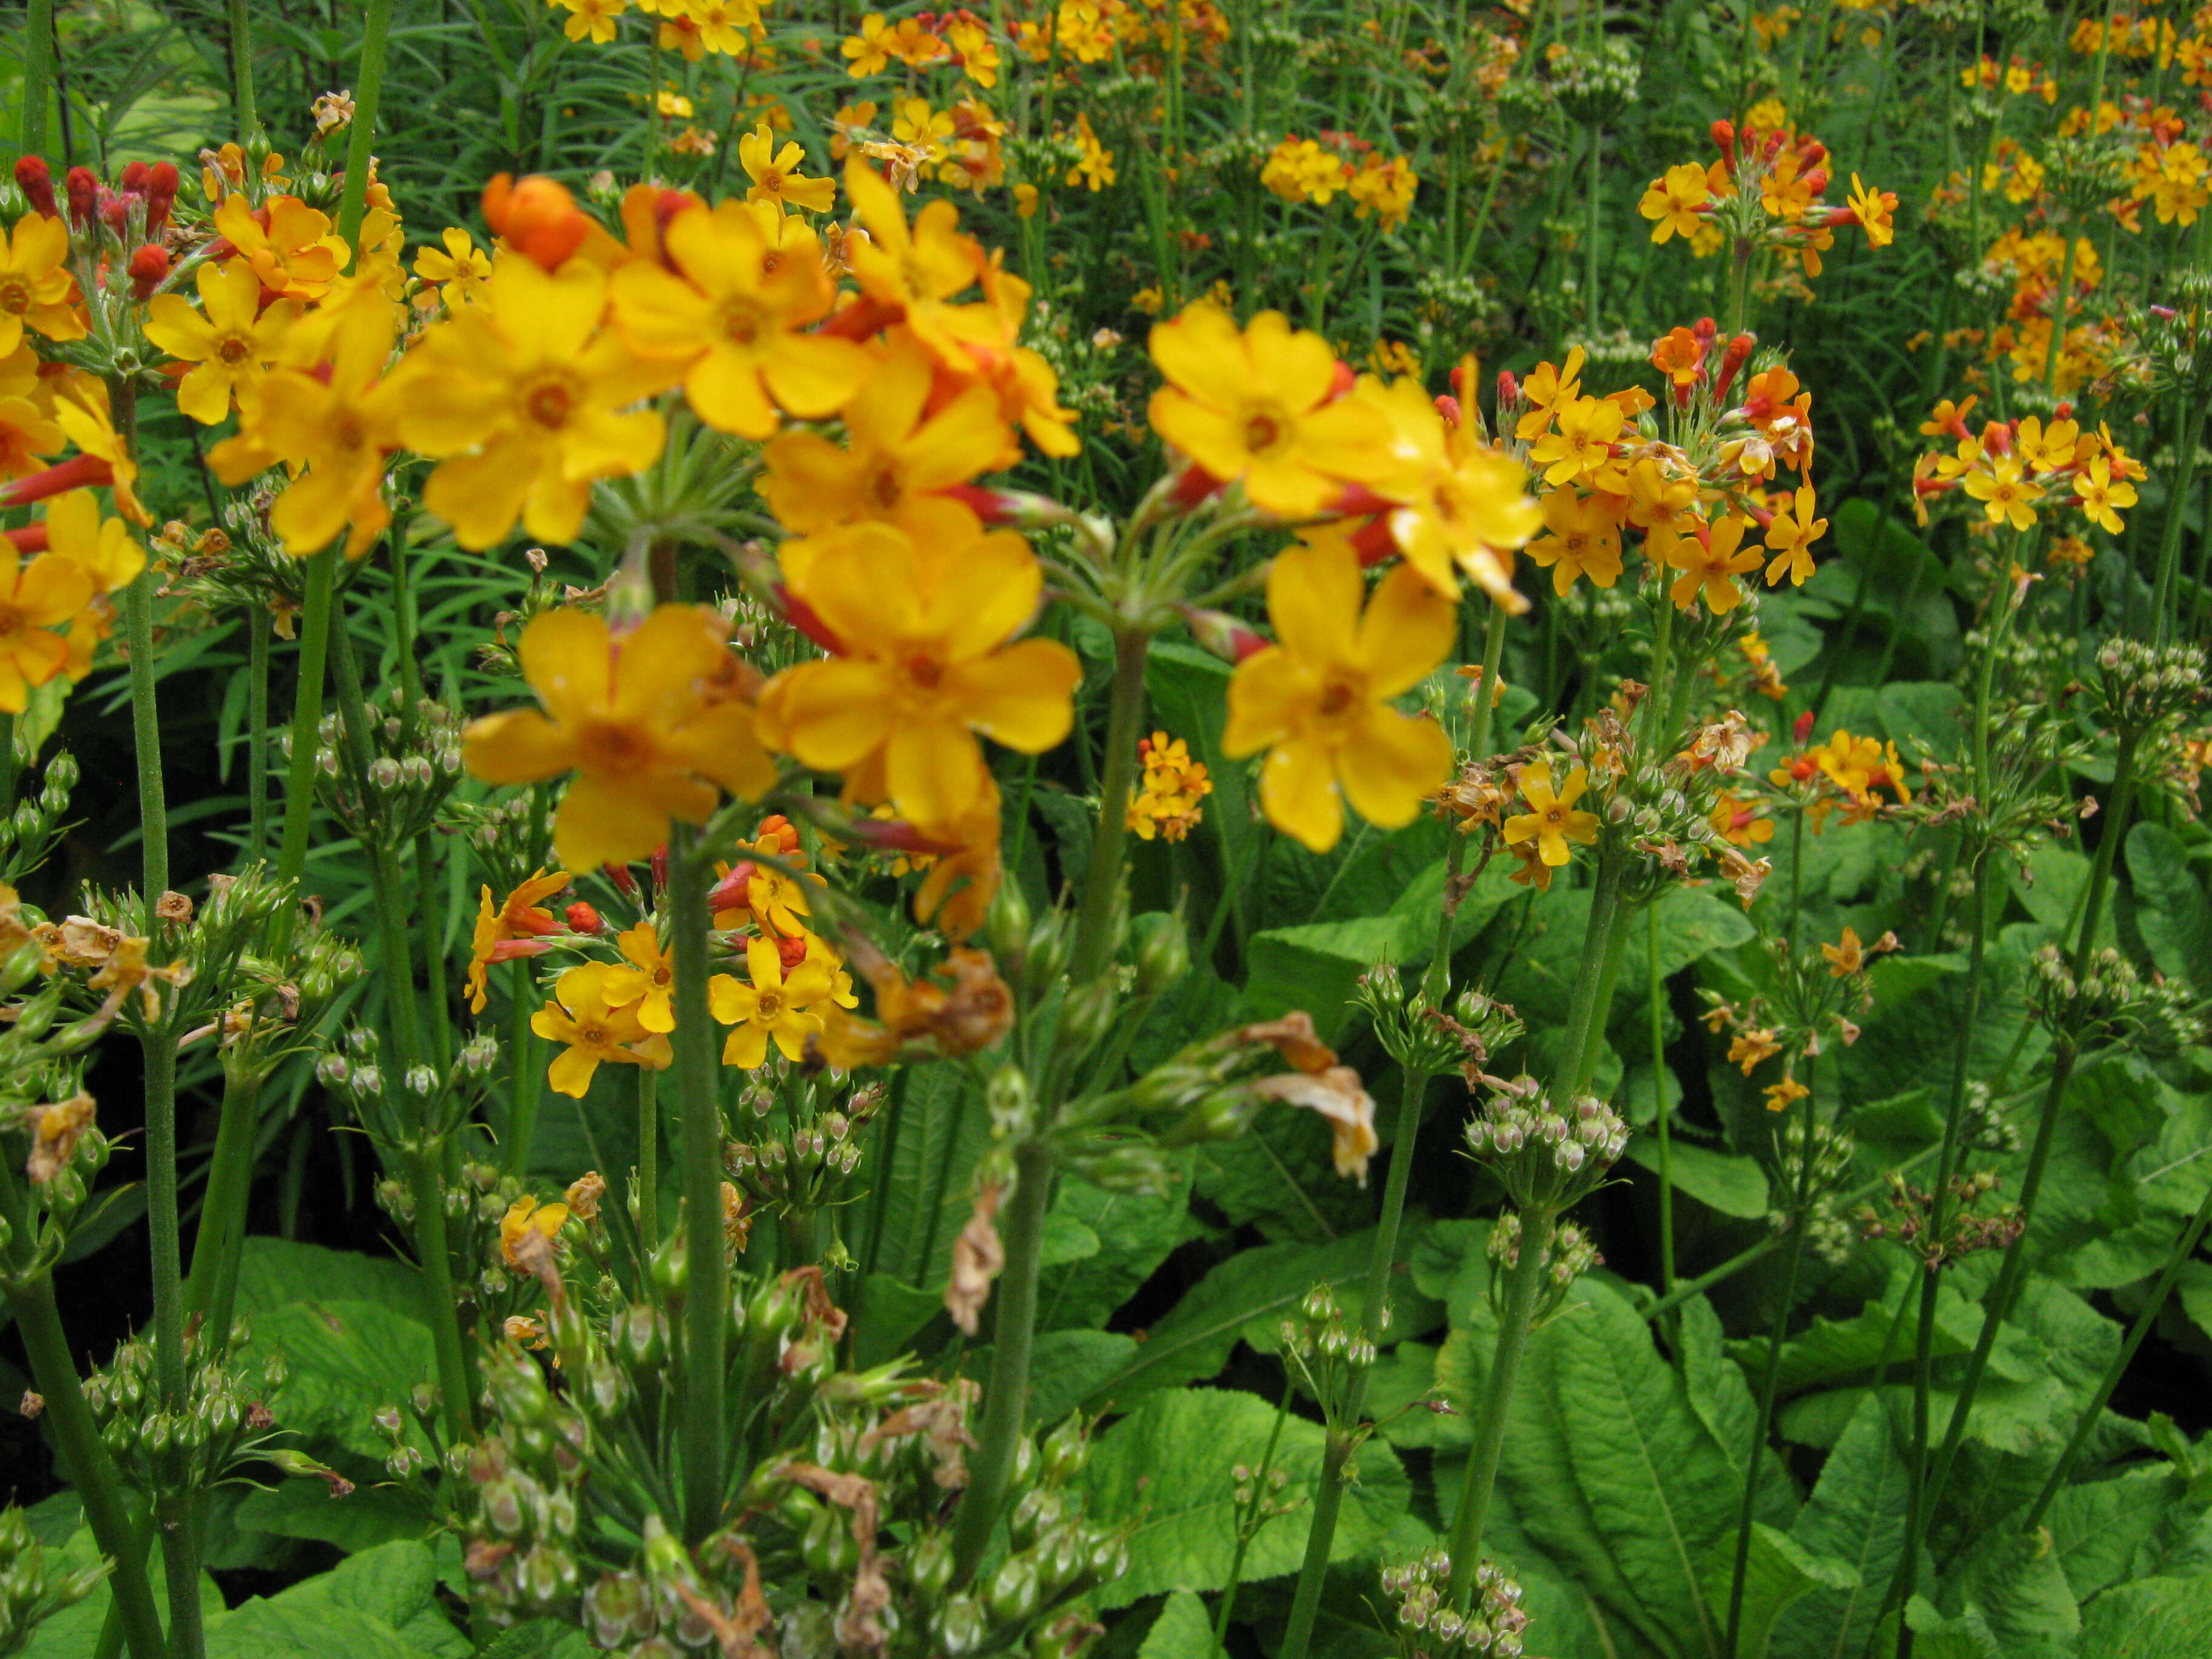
1674	201
1709	561
1318	700
229	343
516	928
1461	505
104	548
36	290
36	597
523	393
2005	493
1582	448
776	174
772	1007
2098	493
648	986
595	1034
916	272
1552	820
1581	539
734	313
290	246
1259	407
647	722
924	663
1791	540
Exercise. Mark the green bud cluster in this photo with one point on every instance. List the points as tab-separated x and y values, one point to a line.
1328	1351
2107	997
191	1443
2142	686
1568	1254
32	1591
1543	1155
29	829
1429	1627
800	1159
387	784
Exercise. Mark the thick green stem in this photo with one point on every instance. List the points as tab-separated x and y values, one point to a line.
706	1294
306	715
2184	1251
1523	1284
1329	1499
38	72
649	1157
1754	1455
1006	1397
456	1379
1102	887
99	1483
1665	1113
1604	942
431	917
360	138
1486	688
257	733
2190	438
524	1082
212	1282
244	121
1596	196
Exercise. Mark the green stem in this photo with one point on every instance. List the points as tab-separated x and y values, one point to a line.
257	733
1603	944
1769	1384
1328	1498
2191	437
649	1157
244	121
306	715
1666	1115
99	1483
1102	887
1523	1284
441	1301
1596	194
1486	701
1243	1537
706	1294
360	138
526	1086
2184	1251
430	916
209	1285
1006	1397
38	72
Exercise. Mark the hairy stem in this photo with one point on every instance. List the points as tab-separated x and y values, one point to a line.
1124	719
1523	1283
649	1157
257	733
706	1294
213	1280
306	715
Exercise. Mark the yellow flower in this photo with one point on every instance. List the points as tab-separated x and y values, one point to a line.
592	19
104	548
1791	539
36	597
1845	957
869	50
731	316
916	272
897	456
516	925
772	1007
1459	504
1582	448
1674	201
1873	209
455	273
524	1217
333	431
229	347
645	722
523	395
1259	406
1581	539
288	245
2098	493
926	659
1780	1095
1752	1048
1318	700
776	174
1552	820
1736	819
648	987
595	1034
1709	560
1548	390
2004	493
913	122
87	425
36	290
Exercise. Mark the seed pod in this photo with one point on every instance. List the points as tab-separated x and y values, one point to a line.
1013	1593
960	1628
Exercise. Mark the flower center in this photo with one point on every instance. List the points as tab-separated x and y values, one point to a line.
883	487
1336	697
550	401
1262	433
769	1005
233	349
10	620
741	323
926	673
16	296
595	1036
605	746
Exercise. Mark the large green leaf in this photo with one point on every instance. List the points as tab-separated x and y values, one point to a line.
74	1632
1314	967
363	1518
1132	1233
1731	1184
1856	1515
1181	1632
2151	1618
1778	1571
2099	1529
272	1272
2170	909
344	1359
931	1138
1280	1176
1165	1470
380	1604
1720	1395
2020	1587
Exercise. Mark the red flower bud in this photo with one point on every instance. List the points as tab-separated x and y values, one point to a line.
160	195
1221	633
149	268
1703	331
2064	411
733	892
84	195
1724	140
1509	392
1193	484
583	918
134	176
1811	154
1803	728
78	472
536	217
790	951
660	867
1732	361
37	185
31	538
619	874
1343	381
1448	408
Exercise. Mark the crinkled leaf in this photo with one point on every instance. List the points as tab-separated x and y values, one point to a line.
343	1360
1133	1233
1778	1570
1181	1632
380	1604
2151	1618
1856	1515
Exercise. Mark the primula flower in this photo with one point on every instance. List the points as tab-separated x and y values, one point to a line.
523	394
36	597
86	425
914	272
1548	390
527	1216
643	721
648	986
1552	820
1709	561
734	313
1780	1095
36	290
896	457
332	430
536	217
772	1008
104	548
288	245
1736	819
776	176
1582	448
1318	700
1791	539
1581	539
592	19
1260	406
926	659
2098	493
595	1033
2003	490
515	928
1674	201
1873	209
229	343
453	274
1459	505
1846	956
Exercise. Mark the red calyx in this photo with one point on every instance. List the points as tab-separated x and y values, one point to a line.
583	918
160	195
134	176
1509	389
1803	728
83	189
619	874
1732	361
1448	407
801	616
1724	140
78	472
31	538
37	185
149	268
733	892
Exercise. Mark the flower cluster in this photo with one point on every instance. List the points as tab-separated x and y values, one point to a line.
1429	1627
2014	468
1764	190
1170	788
1545	1156
1319	171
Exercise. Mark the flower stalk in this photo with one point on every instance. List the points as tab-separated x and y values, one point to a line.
1524	1282
705	1291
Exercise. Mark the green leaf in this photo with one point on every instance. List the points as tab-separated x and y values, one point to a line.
1182	1631
2171	910
344	1360
1856	1515
1280	1176
1778	1570
380	1604
1164	1470
75	1631
935	1131
2098	1526
1967	1636
1732	1185
2050	884
1402	1377
1133	1233
1314	967
888	1315
272	1272
2151	1618
1721	1397
541	1638
2020	1587
1066	1366
363	1518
